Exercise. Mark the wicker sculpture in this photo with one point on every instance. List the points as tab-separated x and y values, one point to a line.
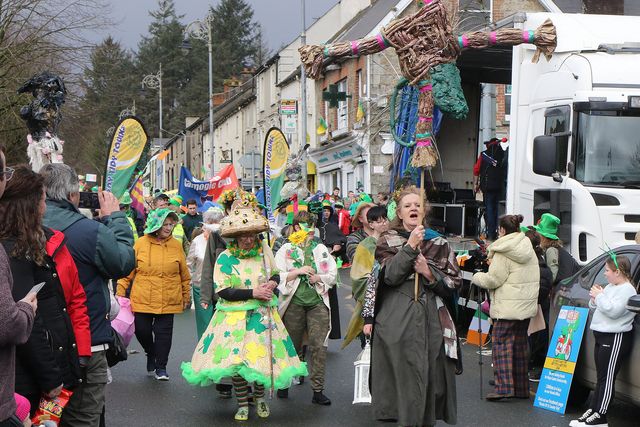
423	41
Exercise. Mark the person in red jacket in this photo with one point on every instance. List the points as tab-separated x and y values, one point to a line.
73	291
344	219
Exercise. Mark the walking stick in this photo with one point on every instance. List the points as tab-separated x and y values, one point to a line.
422	215
269	331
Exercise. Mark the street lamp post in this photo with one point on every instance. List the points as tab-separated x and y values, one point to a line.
202	30
154	81
303	95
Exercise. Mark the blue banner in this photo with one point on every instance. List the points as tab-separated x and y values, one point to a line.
190	188
562	356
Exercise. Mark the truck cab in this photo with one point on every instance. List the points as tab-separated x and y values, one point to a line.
575	131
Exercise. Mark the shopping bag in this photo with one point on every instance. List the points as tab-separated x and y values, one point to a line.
124	321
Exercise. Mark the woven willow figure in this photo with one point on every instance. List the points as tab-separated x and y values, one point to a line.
423	41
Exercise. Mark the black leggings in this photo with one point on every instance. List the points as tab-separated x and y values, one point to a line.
155	333
609	352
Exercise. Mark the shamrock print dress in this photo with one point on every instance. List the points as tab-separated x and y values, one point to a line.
237	340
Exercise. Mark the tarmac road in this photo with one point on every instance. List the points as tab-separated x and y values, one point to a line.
135	399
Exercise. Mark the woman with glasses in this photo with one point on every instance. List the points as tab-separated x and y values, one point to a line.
161	288
361	270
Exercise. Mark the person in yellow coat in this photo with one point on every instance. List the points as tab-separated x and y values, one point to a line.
161	289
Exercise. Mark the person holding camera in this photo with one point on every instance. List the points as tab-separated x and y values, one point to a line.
102	250
513	281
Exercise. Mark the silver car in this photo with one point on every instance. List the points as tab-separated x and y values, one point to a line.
575	292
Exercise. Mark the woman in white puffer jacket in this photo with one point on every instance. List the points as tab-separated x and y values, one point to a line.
513	281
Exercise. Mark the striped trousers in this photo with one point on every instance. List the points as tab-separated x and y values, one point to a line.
609	351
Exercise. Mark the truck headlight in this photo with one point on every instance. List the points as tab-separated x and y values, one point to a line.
634	102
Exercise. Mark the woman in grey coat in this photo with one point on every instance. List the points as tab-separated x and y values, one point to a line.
414	350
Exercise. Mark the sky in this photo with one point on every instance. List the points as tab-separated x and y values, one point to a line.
280	19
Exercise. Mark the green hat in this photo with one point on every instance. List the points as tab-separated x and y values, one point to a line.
156	219
525	229
548	226
125	199
94	189
326	204
365	198
176	200
338	203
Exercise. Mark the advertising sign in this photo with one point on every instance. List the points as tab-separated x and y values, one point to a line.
288	107
560	364
276	152
127	145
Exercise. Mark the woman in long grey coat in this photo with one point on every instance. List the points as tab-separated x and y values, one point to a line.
415	346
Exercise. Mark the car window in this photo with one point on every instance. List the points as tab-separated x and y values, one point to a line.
599	277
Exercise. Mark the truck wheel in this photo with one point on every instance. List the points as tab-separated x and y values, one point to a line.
578	394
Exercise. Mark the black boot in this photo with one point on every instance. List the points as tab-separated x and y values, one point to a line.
320	399
283	393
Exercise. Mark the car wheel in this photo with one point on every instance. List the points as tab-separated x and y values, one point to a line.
578	394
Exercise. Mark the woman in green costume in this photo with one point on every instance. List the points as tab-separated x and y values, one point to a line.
246	339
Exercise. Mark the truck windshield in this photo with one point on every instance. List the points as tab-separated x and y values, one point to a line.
608	148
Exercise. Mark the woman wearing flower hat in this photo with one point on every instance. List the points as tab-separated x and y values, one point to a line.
307	273
161	289
246	339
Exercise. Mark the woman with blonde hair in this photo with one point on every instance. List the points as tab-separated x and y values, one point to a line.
414	331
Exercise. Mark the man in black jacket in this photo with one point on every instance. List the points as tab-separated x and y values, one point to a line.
102	250
489	177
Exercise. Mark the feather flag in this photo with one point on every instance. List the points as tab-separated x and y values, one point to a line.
322	127
360	112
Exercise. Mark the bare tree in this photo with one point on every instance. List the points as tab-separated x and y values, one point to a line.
38	35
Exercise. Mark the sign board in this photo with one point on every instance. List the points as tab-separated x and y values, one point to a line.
288	107
91	177
289	124
251	161
562	356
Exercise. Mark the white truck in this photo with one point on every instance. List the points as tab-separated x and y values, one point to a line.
575	131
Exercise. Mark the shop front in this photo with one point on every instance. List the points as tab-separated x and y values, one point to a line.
341	164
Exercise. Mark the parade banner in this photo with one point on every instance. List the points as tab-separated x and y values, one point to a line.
189	188
562	356
127	145
225	179
276	153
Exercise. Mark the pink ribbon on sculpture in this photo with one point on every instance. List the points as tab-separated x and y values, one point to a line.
426	88
423	142
424	119
381	42
493	37
294	199
354	47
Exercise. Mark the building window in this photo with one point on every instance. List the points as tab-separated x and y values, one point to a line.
507	103
343	107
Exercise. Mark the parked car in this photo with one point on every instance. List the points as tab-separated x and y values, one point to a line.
574	291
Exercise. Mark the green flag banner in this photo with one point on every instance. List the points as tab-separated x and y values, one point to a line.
276	153
128	144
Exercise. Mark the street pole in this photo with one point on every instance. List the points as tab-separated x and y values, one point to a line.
303	98
160	92
210	46
253	171
203	30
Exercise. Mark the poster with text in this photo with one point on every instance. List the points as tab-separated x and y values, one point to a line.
562	356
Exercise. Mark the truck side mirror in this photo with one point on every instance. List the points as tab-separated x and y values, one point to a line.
544	155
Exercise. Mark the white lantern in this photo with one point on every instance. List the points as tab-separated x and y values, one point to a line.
361	392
